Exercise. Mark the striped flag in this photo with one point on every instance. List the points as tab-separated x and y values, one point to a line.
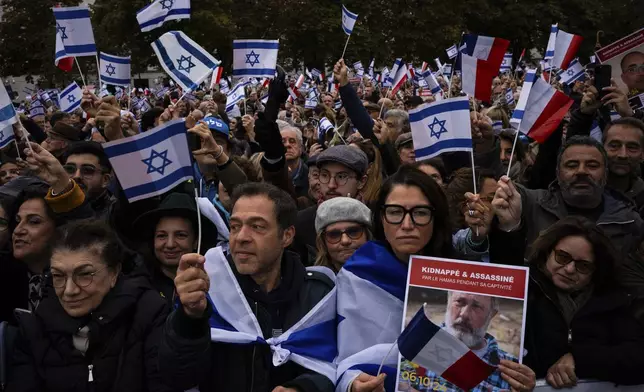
70	98
75	29
115	70
158	12
550	48
7	111
506	65
574	72
348	20
566	47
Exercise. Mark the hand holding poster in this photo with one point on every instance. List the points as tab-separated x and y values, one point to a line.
481	306
626	57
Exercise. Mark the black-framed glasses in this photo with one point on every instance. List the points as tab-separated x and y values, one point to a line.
335	236
582	266
85	170
340	178
80	279
420	215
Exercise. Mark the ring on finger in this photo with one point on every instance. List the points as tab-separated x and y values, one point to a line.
471	212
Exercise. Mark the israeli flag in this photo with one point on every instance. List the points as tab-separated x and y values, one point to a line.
311	342
574	73
7	136
506	65
316	73
36	109
115	70
432	84
255	58
153	162
311	99
348	20
323	127
357	66
70	98
224	87
236	95
43	95
452	51
186	62
369	323
440	127
156	14
552	40
7	111
509	96
75	29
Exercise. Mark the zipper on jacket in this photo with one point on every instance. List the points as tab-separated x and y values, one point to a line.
90	377
252	364
570	336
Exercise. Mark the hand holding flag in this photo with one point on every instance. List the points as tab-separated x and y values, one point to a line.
47	168
110	114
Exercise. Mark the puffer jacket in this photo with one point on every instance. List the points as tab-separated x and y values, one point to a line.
124	333
188	358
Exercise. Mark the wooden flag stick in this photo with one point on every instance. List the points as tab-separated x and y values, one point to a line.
345	47
516	137
80	71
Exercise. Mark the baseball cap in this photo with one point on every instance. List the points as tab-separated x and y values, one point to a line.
217	125
351	157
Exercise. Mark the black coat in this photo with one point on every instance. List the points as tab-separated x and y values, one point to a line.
187	357
604	338
125	331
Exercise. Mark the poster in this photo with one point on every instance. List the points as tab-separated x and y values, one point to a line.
481	304
626	57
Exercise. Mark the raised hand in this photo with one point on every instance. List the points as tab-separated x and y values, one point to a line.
110	114
507	204
618	98
478	217
47	168
192	284
341	73
210	152
590	101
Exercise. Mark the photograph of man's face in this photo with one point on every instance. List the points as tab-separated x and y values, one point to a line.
633	71
468	317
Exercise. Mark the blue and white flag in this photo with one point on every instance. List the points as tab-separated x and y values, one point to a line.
187	63
452	51
7	111
75	29
365	337
43	95
574	73
310	343
432	84
115	70
153	162
316	74
255	58
357	66
324	126
506	65
156	14
440	127
371	65
7	136
36	109
552	40
236	95
224	87
70	98
312	99
509	96
348	20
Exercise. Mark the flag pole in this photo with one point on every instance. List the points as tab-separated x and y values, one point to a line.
24	132
516	137
98	71
345	46
129	101
80	71
198	220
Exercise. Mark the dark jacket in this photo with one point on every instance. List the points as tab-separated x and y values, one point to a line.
187	356
14	284
604	338
301	180
102	205
124	333
305	233
542	208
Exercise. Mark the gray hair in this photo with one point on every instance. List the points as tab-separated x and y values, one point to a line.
494	301
401	116
298	134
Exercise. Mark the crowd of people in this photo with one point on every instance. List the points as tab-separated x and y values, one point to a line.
103	294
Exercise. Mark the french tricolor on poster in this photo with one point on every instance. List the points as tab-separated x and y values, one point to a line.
422	339
566	47
540	109
480	61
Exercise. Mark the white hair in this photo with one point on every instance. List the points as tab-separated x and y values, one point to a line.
298	134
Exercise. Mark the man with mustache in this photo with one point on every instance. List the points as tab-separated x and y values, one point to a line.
580	189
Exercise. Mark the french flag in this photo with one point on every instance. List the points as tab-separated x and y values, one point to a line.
397	76
293	91
480	61
540	109
216	76
422	339
566	47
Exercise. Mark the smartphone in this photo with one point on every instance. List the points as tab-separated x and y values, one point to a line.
602	78
194	142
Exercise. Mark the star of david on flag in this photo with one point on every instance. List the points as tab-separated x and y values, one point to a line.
187	63
440	127
6	136
151	163
7	111
255	58
348	20
74	28
70	98
574	73
158	12
115	70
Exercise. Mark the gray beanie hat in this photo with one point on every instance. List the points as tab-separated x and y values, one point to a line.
341	209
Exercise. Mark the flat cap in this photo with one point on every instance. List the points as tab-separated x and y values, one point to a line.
351	157
403	139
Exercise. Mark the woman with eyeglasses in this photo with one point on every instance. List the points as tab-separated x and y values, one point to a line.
580	325
98	330
412	218
342	225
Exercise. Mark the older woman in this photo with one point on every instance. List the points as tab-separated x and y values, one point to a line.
579	323
99	331
343	225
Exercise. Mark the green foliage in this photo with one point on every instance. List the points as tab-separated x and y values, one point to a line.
309	30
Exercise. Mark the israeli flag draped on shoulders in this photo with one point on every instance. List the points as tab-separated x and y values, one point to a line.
115	70
371	293
70	98
183	59
7	111
156	14
440	127
255	58
75	29
310	343
151	163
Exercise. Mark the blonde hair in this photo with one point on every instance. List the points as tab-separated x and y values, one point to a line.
323	258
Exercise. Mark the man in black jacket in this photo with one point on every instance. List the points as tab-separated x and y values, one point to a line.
276	287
